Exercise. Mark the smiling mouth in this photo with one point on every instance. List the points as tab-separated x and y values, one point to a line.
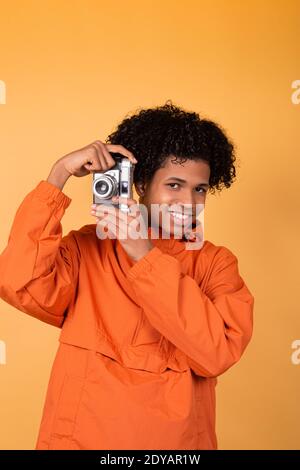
181	216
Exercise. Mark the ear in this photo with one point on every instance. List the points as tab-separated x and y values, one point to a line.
140	189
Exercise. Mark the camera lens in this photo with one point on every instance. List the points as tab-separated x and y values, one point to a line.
105	187
102	187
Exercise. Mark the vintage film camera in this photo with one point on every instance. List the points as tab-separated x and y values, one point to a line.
117	181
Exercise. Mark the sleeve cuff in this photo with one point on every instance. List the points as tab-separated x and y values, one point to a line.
145	263
46	191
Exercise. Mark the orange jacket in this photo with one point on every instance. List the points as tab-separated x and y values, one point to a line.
141	343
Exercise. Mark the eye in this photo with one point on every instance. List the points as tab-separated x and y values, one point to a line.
204	190
170	184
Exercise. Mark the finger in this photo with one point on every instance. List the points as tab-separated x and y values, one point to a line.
93	163
123	215
103	211
103	208
122	228
122	150
124	200
100	155
132	204
109	159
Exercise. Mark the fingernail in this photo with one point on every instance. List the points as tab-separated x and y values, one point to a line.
94	206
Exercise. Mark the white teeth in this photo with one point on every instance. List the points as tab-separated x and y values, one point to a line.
179	215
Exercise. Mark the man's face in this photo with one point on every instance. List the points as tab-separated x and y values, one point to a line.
179	187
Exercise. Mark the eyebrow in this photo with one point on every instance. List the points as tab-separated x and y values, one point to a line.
180	180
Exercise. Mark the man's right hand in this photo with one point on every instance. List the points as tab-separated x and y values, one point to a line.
93	157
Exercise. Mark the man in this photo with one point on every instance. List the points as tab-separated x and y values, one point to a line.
146	324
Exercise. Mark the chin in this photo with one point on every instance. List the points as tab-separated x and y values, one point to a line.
179	233
170	229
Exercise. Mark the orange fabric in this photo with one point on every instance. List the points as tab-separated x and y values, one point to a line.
141	343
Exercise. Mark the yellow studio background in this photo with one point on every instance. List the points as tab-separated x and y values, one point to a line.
72	71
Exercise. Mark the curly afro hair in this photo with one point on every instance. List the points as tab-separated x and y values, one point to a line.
155	134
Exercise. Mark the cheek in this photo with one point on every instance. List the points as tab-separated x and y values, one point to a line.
155	197
162	195
158	195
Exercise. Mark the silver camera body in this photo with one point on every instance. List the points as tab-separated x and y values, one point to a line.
117	181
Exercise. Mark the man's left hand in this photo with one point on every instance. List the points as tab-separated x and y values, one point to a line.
120	225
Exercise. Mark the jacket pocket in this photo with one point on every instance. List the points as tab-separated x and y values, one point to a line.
66	411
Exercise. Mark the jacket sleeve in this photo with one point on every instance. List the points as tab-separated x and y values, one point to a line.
211	328
39	267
